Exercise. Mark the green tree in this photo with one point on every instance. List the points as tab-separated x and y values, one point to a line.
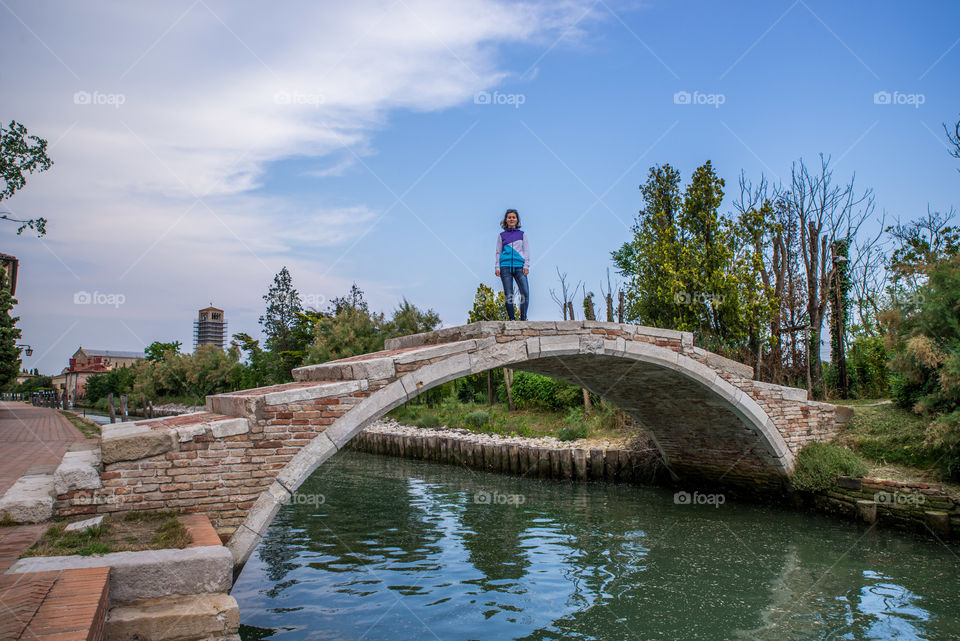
352	331
408	319
280	319
683	267
21	154
926	362
649	261
157	351
9	335
487	306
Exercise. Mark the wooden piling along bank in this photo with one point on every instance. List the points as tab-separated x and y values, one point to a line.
622	465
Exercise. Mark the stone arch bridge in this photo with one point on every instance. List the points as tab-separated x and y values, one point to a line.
241	460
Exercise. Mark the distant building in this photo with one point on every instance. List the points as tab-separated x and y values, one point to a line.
210	328
10	265
86	362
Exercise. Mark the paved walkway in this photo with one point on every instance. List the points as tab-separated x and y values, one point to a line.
31	437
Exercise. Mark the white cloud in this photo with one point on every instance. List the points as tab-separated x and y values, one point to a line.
149	108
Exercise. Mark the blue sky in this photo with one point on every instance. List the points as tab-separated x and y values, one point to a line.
200	146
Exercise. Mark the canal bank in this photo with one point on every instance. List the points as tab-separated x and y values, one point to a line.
927	508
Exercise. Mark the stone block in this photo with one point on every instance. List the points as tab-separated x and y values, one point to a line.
564	345
435	374
266	507
135	444
327	390
77	472
849	483
29	499
533	347
236	405
242	544
149	573
80	526
591	345
193	616
938	522
187	433
867	511
229	427
653	354
498	355
434	351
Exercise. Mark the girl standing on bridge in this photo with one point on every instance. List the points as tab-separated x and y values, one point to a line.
513	262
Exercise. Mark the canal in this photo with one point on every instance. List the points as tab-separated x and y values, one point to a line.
375	547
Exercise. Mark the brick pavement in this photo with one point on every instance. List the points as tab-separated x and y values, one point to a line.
29	437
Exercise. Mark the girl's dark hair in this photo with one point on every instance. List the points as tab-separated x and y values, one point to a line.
503	223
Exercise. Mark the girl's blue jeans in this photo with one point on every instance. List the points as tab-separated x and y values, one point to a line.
507	276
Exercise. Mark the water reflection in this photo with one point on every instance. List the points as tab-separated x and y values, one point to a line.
404	549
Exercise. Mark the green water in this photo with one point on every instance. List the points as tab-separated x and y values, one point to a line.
383	548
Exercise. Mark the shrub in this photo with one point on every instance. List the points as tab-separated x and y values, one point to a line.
477	419
819	465
428	420
572	433
542	392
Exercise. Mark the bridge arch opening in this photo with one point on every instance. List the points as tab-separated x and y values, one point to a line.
706	427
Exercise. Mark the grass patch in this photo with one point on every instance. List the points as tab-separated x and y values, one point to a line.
133	532
88	428
7	521
819	465
428	420
602	423
889	435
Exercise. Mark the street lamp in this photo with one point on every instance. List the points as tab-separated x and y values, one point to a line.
26	349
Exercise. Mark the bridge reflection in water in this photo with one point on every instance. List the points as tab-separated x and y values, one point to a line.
401	549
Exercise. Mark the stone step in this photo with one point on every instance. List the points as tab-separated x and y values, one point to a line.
29	499
181	617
